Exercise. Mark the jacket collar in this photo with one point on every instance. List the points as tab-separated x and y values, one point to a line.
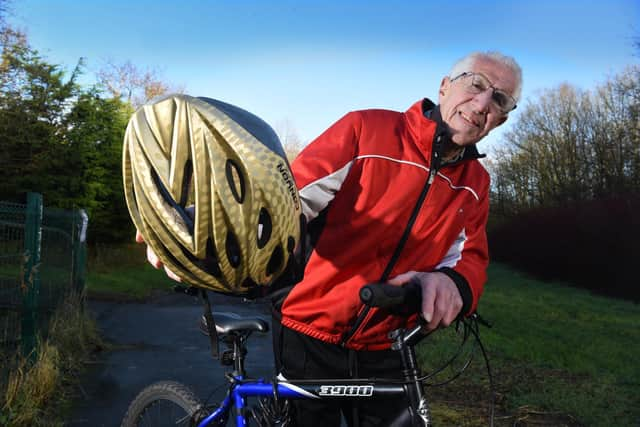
425	124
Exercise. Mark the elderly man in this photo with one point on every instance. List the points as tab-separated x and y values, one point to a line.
396	197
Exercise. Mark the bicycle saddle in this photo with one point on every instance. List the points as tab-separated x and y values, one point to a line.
228	322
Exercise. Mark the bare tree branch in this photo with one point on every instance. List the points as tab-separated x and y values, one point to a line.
132	84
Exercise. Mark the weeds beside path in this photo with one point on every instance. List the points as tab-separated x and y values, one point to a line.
38	393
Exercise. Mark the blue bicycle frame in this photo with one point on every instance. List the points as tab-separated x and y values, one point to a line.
312	389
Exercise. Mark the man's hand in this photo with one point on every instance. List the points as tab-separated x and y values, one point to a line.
441	301
155	261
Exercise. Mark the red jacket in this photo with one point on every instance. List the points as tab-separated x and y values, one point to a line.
359	182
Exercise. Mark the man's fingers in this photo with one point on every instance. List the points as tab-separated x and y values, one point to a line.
454	309
446	308
155	261
436	315
172	275
441	311
428	302
402	278
153	258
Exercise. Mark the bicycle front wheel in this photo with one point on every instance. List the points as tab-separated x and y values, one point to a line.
166	403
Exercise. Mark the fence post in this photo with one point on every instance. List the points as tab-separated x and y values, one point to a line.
80	222
31	278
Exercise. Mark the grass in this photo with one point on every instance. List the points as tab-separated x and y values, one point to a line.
560	356
38	393
122	272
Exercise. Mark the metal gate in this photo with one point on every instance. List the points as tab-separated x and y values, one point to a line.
42	258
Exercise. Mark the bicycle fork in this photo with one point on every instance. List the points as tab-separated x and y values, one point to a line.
418	413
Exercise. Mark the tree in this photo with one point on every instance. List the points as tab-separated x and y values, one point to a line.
566	187
289	138
4	6
59	139
34	98
571	145
131	84
94	140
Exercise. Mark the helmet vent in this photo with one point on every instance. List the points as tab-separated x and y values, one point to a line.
187	179
264	228
233	250
276	260
235	180
210	262
249	283
170	201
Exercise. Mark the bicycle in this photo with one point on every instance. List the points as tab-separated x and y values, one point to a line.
272	408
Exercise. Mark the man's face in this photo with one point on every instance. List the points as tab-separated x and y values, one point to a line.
470	116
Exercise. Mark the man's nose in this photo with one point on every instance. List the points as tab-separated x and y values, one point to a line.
482	101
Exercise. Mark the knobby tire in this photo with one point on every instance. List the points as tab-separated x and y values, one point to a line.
164	403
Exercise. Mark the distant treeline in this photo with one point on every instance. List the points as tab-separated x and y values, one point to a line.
566	187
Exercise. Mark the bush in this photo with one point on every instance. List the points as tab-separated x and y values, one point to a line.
589	244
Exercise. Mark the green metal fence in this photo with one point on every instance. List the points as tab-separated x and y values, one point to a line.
42	259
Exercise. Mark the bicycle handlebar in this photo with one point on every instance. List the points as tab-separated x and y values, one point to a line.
405	298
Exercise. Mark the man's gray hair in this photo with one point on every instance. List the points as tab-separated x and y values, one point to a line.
466	64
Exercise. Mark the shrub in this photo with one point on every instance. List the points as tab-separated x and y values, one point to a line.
589	244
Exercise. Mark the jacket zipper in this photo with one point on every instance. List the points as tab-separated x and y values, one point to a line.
435	163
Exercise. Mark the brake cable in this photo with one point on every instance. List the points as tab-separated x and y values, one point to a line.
470	327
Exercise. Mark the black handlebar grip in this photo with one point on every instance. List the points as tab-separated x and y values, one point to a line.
407	297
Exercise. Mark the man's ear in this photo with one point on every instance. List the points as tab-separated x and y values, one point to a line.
444	87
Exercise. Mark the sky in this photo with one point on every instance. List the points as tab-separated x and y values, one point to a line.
301	65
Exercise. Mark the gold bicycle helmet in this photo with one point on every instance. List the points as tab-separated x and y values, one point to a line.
209	188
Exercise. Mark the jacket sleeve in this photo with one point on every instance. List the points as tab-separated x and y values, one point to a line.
321	168
467	261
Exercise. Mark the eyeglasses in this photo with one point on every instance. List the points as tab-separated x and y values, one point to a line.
477	83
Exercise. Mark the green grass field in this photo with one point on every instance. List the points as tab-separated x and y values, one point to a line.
560	356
